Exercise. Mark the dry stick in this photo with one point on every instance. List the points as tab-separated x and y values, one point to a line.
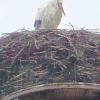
27	60
59	62
87	46
37	53
18	75
18	55
59	47
35	42
6	46
15	77
60	35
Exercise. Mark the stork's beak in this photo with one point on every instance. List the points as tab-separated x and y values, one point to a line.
61	8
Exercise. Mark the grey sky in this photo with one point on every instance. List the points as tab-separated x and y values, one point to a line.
18	14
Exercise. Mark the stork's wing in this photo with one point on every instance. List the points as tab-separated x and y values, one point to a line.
37	24
47	17
38	19
48	14
51	18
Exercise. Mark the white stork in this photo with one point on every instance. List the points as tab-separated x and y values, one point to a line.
49	16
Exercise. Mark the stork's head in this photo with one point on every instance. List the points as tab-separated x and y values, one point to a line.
59	3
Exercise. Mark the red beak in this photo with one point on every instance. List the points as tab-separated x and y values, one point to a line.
61	8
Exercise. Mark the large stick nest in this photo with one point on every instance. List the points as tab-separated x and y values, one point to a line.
56	55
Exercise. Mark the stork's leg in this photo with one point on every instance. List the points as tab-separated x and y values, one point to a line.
37	24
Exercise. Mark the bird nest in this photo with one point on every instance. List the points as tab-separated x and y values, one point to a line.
49	56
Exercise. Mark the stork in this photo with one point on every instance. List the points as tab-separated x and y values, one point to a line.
49	16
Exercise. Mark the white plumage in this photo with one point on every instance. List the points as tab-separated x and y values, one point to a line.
49	16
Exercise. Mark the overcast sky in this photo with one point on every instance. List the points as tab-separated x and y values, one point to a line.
18	14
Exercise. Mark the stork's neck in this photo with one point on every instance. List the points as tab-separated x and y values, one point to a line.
54	3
